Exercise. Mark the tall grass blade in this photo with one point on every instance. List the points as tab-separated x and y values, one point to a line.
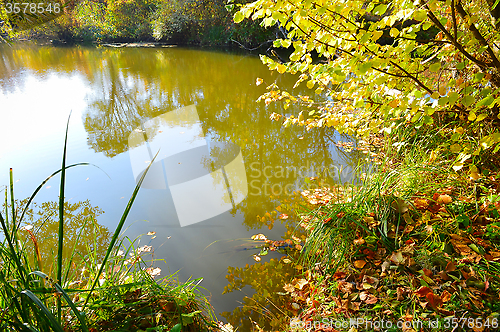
12	202
48	315
60	233
32	197
118	230
12	249
78	314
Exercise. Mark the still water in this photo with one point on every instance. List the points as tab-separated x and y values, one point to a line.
221	162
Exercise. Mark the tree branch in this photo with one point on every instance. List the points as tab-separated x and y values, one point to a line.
455	43
477	34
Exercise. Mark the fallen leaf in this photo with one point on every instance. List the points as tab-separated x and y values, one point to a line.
421	203
434	300
446	296
444	199
283	216
450	267
257	258
345	287
359	264
372	299
397	258
300	283
427	272
359	241
423	291
400	291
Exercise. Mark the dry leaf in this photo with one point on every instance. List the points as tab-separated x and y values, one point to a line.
289	288
444	199
434	300
359	264
300	283
397	258
372	299
423	291
446	296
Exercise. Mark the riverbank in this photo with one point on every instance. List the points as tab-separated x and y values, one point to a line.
413	247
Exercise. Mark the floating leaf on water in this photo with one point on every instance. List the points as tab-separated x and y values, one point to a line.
257	237
151	233
257	258
259	81
283	216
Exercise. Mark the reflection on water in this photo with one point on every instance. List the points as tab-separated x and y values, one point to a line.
84	241
123	90
185	165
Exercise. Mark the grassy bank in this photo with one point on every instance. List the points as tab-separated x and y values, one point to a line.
92	283
412	246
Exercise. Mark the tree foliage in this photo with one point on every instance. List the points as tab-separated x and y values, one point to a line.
380	65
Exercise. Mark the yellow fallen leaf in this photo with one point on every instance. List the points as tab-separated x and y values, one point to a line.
444	199
359	264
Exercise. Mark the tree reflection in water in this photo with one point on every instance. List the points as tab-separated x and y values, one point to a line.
85	241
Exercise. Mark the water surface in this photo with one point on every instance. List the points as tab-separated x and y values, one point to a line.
112	93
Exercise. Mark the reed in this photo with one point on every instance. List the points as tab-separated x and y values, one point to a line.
32	300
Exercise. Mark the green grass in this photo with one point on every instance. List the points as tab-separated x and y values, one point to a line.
85	292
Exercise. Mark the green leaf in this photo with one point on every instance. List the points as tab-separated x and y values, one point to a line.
485	101
286	43
460	65
455	148
364	67
420	15
380	9
238	17
435	66
472	116
478	77
453	97
481	117
188	318
467	100
176	328
48	315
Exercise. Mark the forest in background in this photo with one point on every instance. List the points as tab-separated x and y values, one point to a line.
187	22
